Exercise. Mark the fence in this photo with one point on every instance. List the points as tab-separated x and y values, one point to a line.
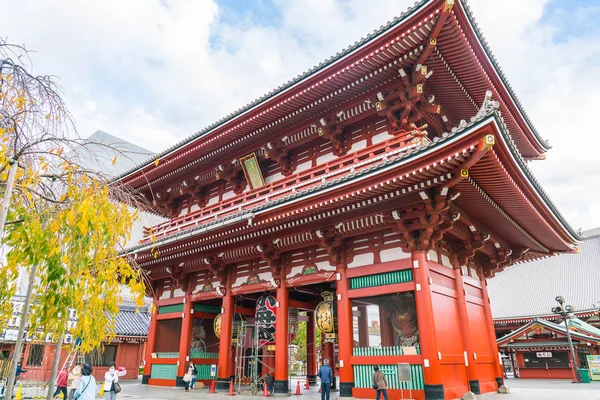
388	278
363	376
381	351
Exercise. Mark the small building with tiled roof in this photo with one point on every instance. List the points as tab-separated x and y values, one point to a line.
533	338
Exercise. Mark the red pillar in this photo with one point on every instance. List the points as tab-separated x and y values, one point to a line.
329	353
363	327
490	330
345	332
311	349
385	328
463	315
225	340
281	340
434	388
185	339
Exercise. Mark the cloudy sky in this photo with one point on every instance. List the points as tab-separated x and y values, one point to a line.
155	71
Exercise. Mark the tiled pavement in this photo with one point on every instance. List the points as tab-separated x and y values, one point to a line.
520	390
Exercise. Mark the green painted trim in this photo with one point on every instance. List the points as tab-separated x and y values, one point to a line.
363	376
170	309
163	371
387	278
206	308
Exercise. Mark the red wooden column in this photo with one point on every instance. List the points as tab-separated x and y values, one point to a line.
185	338
281	340
311	350
345	332
385	328
150	346
329	353
363	327
465	329
490	330
225	340
434	388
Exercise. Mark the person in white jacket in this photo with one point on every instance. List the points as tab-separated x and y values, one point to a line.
110	378
86	387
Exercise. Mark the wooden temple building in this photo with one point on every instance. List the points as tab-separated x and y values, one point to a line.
533	339
392	175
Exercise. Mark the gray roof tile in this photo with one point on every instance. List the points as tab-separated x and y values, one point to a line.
529	289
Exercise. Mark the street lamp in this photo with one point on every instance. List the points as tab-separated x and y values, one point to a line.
565	312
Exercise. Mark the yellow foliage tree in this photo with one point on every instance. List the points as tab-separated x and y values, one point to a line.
62	224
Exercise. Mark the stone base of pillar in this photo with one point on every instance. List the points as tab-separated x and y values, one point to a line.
500	382
346	389
474	386
282	387
312	380
145	379
222	384
469	396
179	382
434	392
503	390
335	388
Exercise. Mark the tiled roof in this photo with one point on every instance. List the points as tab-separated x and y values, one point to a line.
529	289
132	323
337	57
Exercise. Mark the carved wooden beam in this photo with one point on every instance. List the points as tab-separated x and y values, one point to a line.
217	268
277	152
233	174
330	129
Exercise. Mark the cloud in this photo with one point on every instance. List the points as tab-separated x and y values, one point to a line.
154	72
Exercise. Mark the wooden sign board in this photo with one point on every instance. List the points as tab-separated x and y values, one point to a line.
252	171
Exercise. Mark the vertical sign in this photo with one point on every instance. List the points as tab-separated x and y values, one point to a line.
213	370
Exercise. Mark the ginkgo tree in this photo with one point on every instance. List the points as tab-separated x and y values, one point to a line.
61	224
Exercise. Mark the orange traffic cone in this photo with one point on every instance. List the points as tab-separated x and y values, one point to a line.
212	387
298	389
265	389
231	389
306	387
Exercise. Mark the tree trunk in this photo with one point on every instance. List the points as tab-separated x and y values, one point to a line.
10	184
55	364
19	345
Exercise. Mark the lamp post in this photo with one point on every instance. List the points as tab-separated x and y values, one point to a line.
564	311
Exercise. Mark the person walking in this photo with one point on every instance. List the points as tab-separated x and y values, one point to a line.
62	381
74	377
187	377
270	381
111	379
380	383
326	376
20	371
86	387
194	376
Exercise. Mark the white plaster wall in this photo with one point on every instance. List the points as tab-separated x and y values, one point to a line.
360	260
165	295
272	178
446	261
295	271
380	137
393	255
433	256
239	281
228	195
325	158
473	273
325	266
178	293
358	145
194	208
464	269
212	200
304	166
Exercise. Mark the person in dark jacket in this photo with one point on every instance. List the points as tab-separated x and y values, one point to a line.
270	381
326	376
19	372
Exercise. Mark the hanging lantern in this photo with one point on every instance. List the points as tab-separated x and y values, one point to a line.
326	316
239	327
265	319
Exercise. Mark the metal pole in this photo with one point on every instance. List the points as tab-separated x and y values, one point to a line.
574	366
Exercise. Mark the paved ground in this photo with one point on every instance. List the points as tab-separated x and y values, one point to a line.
520	390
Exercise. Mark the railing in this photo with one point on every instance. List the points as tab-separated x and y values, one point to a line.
363	376
202	354
300	181
167	355
388	278
380	351
204	372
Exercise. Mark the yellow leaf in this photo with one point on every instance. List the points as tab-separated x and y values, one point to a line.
63	197
114	161
64	259
48	116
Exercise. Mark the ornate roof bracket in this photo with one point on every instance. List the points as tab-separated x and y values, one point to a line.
232	173
333	242
477	242
333	131
273	256
277	152
218	268
179	276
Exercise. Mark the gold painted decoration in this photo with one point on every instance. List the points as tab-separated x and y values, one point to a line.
252	171
217	326
239	326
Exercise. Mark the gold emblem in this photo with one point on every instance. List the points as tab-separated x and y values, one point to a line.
464	173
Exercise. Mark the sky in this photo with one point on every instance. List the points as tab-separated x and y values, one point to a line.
154	72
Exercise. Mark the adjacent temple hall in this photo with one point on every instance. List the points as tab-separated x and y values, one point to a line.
392	177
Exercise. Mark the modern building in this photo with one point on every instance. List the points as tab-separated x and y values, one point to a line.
532	337
393	175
